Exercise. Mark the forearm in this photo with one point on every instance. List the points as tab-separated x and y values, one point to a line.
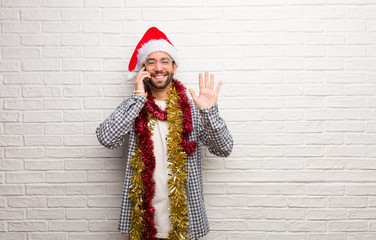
111	131
215	133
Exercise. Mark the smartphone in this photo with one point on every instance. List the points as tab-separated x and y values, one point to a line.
146	84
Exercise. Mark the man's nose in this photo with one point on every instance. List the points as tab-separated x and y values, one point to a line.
158	67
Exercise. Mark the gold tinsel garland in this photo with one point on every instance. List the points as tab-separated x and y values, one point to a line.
135	196
177	164
176	183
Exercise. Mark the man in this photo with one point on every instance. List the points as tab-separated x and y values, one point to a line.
163	196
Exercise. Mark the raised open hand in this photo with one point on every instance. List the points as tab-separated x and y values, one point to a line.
207	96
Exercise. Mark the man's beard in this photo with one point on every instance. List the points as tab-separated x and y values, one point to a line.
168	81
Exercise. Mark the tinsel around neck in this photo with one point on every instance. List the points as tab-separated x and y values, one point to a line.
184	105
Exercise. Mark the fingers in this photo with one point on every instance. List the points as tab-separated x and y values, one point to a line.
205	83
141	76
218	87
206	79
142	71
200	83
193	94
212	82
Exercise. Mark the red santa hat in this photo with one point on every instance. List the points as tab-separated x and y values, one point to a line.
153	41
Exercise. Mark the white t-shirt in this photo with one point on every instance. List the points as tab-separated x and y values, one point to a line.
161	200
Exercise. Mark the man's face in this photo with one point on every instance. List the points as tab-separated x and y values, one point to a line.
161	68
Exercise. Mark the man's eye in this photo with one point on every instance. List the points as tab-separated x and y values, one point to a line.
151	62
166	62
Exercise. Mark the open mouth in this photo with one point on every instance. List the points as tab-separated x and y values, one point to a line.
160	80
159	76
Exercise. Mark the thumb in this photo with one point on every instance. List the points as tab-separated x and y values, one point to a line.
193	94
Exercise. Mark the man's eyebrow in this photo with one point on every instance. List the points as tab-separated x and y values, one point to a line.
164	58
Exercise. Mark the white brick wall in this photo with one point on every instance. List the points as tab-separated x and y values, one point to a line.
299	97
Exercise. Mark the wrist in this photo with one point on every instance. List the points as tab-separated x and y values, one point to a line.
140	93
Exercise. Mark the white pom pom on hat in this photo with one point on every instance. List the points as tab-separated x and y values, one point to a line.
153	41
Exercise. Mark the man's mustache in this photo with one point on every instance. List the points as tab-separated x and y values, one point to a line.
159	73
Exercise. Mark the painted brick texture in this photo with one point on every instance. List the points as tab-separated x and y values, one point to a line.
299	97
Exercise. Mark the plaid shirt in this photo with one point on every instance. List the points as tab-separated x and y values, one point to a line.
208	129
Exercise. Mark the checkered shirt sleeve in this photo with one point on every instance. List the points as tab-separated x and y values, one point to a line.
111	132
215	134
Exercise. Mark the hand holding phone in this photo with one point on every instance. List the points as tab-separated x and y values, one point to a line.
146	84
141	83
